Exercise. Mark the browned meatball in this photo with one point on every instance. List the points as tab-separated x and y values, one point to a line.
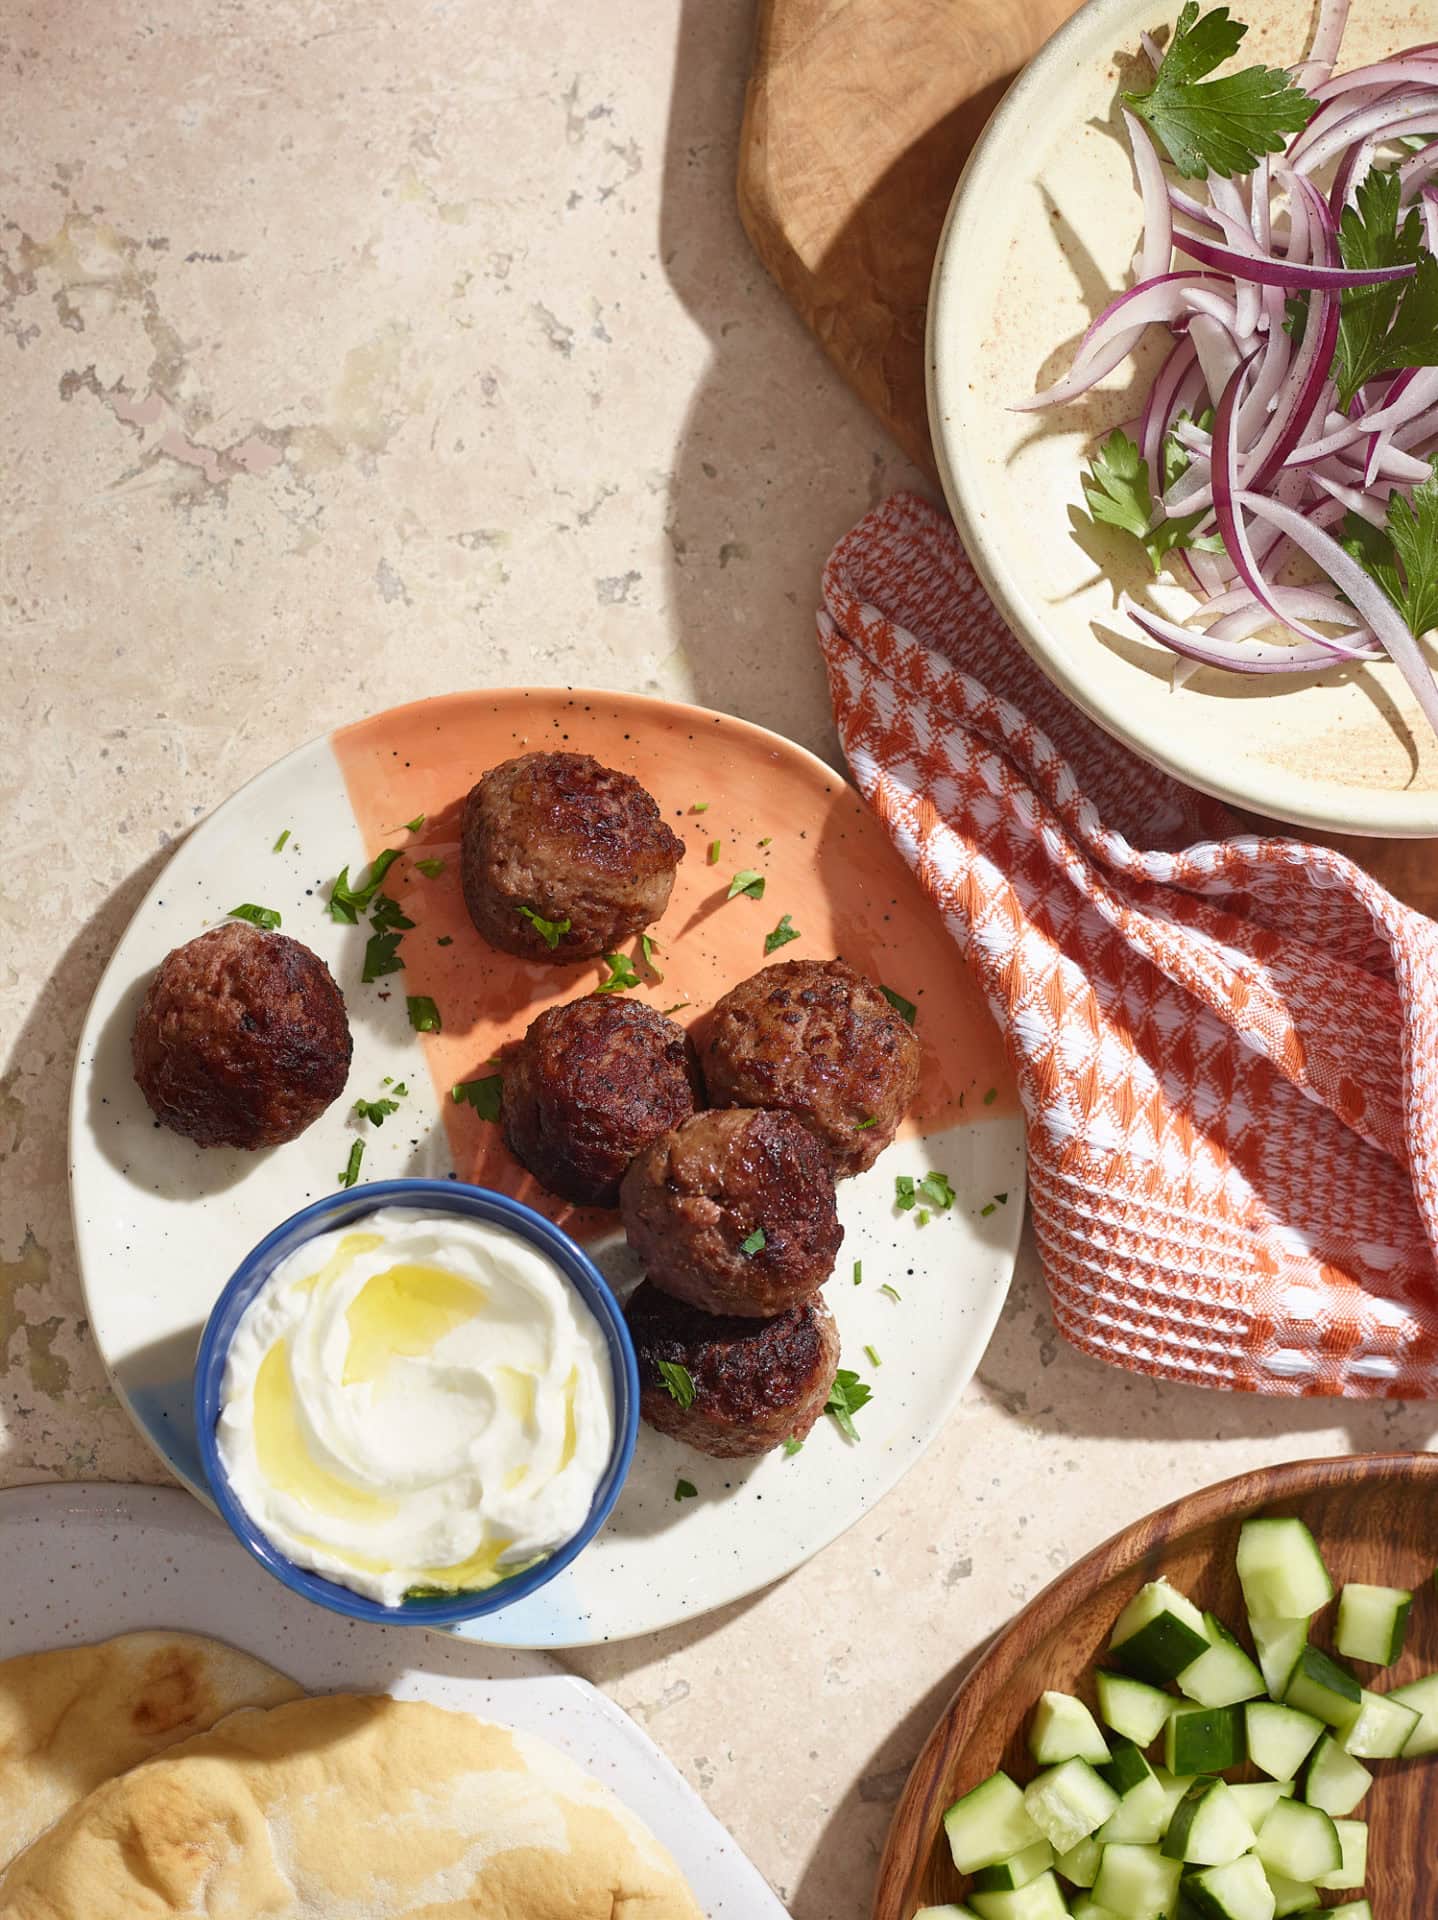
757	1383
558	837
696	1201
819	1040
591	1084
242	1039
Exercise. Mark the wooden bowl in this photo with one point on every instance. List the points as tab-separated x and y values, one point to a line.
1375	1517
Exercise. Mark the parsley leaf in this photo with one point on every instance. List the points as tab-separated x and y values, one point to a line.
793	1446
389	916
649	947
1175	456
746	881
685	1490
678	1381
483	1095
755	1242
1118	495
991	1096
423	1013
352	1165
782	934
900	1005
938	1191
1395	323
549	931
1218	126
846	1396
347	902
1403	558
375	1111
381	956
700	806
263	917
431	869
408	826
906	1195
621	974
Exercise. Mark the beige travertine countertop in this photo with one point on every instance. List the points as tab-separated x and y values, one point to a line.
354	351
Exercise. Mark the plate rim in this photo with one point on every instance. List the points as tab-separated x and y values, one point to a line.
1120	1553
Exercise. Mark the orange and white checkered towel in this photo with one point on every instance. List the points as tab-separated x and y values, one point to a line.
1226	1045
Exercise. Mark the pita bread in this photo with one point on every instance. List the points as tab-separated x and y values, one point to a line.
75	1717
348	1808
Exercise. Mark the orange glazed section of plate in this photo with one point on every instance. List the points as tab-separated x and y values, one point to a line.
772	807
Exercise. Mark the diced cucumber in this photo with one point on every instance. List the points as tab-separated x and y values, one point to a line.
1258	1798
1137	1883
945	1913
1372	1623
1278	1644
1142	1817
1224	1675
1068	1803
1158	1634
1174	1786
1422	1695
1016	1871
1063	1729
1320	1686
1041	1899
1352	1869
1349	1910
1209	1827
1204	1739
1236	1891
1279	1738
1079	1866
1125	1769
1289	1896
1087	1908
988	1824
1299	1841
1333	1780
1382	1728
1281	1570
1132	1707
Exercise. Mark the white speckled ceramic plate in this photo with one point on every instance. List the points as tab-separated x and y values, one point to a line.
82	1563
161	1223
1041	233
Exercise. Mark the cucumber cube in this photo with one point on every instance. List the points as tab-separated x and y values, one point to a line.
1258	1798
1138	1883
1087	1908
1204	1739
1224	1675
1372	1623
1299	1841
1132	1707
1289	1896
1278	1644
1079	1866
988	1824
1158	1634
1063	1729
1422	1696
1068	1803
945	1913
1334	1781
1320	1686
1174	1787
1349	1910
1041	1899
1142	1817
1279	1738
1235	1891
1016	1871
1126	1768
1209	1828
1382	1728
1352	1869
1281	1570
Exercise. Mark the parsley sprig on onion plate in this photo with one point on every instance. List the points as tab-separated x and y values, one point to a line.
1291	250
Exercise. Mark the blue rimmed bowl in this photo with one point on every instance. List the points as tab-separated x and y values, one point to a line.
344	1209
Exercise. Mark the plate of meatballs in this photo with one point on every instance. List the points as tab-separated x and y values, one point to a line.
651	970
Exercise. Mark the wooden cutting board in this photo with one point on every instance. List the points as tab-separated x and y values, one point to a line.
857	122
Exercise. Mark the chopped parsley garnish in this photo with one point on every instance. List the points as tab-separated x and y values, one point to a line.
549	931
923	1216
782	934
431	869
700	806
874	1360
678	1381
381	956
754	1243
649	947
400	1090
900	1004
408	826
846	1396
678	1007
747	881
352	1165
906	1192
1118	495
932	1188
991	1207
685	1490
347	902
483	1095
376	1111
264	917
863	1126
767	841
621	974
1394	323
279	845
793	1446
423	1013
445	940
858	1273
991	1096
716	847
389	916
1002	1199
893	1292
1218	126
1403	557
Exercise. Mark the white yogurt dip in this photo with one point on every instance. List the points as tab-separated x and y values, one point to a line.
419	1400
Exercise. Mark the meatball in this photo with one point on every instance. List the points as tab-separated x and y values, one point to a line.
819	1040
558	838
591	1084
756	1383
242	1039
696	1201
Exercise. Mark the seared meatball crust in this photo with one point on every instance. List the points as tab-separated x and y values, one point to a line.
692	1201
567	839
822	1042
591	1084
242	1039
757	1383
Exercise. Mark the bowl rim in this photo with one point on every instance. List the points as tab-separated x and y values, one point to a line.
1331	807
352	1204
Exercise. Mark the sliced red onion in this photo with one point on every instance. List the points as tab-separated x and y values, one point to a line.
1272	272
1327	39
1157	250
1386	120
1383	74
1115	333
1248	656
1161	406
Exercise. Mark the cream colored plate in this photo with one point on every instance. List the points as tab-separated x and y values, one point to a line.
1040	235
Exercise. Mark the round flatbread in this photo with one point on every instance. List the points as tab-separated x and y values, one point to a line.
77	1716
350	1808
